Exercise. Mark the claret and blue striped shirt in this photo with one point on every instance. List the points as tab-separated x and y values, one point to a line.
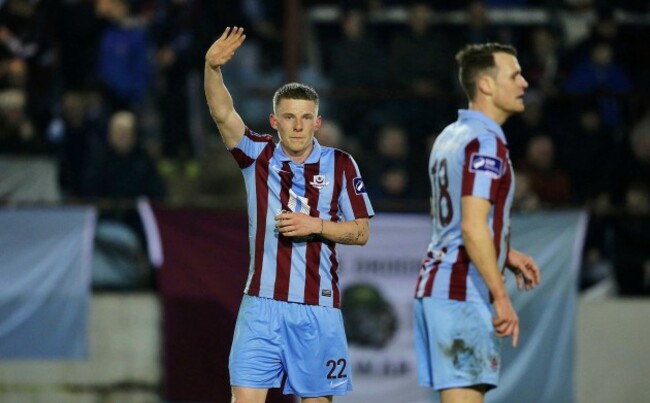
327	185
469	158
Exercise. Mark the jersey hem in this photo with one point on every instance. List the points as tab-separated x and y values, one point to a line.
291	301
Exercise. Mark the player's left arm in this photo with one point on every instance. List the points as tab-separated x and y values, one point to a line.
524	268
352	232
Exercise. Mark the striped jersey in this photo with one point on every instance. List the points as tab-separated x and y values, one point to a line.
327	185
469	158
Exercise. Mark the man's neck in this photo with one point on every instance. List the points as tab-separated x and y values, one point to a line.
299	157
488	109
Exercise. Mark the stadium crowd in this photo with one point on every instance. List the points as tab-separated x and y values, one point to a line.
111	91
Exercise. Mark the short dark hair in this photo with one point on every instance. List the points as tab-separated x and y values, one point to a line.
474	59
295	91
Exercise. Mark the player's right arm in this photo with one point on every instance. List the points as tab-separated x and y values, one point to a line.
219	100
480	248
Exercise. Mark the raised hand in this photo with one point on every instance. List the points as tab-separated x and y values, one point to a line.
223	49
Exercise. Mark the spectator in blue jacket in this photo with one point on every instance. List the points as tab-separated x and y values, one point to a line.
601	75
124	65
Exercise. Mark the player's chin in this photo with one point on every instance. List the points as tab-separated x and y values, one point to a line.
519	107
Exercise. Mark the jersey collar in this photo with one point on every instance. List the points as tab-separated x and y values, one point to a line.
313	158
491	125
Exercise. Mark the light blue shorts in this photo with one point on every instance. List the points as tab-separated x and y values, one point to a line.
455	344
300	347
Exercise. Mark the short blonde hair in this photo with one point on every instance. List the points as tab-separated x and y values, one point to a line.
295	91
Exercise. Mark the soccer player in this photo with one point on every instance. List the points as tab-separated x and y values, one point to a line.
461	306
303	198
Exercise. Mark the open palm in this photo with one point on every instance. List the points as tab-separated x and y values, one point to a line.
223	49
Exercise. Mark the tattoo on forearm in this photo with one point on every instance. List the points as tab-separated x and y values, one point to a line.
352	238
346	239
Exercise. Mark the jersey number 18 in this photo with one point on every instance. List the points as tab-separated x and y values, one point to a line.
443	206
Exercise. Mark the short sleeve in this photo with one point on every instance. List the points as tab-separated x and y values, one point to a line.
485	162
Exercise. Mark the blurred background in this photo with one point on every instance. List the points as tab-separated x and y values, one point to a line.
123	226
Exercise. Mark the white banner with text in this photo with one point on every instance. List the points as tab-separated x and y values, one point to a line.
378	282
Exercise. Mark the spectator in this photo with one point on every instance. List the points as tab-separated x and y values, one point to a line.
77	29
265	18
393	189
601	75
525	199
637	198
173	32
479	28
544	63
420	60
75	136
549	182
392	165
637	171
353	62
418	56
124	56
392	146
13	73
593	169
25	34
603	28
219	182
330	134
17	132
354	58
123	170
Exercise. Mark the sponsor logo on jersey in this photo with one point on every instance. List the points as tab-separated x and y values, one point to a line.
359	187
486	163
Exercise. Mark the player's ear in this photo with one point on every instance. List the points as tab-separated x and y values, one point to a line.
485	84
273	121
318	123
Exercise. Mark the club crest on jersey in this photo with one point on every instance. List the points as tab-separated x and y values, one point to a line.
359	187
319	182
486	163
